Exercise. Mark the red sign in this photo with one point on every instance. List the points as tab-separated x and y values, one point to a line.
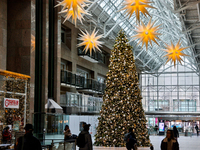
11	103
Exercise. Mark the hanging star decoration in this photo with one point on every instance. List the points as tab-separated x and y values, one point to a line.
174	52
137	6
70	13
90	41
147	34
74	9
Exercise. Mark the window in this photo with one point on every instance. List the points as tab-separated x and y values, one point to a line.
63	66
66	36
101	79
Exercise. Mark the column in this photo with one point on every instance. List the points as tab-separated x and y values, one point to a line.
3	34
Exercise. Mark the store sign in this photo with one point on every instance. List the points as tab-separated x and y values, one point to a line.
11	103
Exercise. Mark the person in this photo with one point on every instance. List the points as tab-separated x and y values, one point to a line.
130	139
28	141
88	139
197	129
169	143
176	133
156	128
67	133
6	135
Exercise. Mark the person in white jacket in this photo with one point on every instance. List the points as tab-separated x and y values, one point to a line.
88	139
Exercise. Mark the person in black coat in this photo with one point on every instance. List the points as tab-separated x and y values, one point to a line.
28	141
169	142
176	133
130	140
197	129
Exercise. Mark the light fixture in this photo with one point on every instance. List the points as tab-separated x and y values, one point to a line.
137	6
70	13
90	41
147	34
74	9
174	52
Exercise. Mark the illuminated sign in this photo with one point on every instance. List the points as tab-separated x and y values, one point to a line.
161	127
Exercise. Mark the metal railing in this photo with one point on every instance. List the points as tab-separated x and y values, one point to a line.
94	55
81	82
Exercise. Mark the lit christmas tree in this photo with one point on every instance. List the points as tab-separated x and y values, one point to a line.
122	106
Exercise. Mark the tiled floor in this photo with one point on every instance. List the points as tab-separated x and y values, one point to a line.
185	143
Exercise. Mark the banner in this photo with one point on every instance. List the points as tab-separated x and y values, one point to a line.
11	103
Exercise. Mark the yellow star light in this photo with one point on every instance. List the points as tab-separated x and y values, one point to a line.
174	52
147	33
136	6
68	4
90	41
70	13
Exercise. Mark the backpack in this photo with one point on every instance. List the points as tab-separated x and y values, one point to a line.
126	137
81	140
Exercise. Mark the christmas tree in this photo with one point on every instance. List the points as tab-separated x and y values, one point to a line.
122	106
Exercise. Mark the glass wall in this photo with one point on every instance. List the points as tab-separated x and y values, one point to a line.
171	89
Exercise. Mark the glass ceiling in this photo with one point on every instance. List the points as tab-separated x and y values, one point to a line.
107	12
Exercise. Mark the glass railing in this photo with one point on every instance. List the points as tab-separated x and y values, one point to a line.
68	77
80	103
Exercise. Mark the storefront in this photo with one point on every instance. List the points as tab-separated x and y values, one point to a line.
14	101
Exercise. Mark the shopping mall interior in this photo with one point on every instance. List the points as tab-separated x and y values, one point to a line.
64	62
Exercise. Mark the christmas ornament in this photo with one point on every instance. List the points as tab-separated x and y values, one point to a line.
74	9
174	52
136	6
90	41
79	15
147	34
67	4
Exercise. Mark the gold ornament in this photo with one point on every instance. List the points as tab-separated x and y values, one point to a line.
90	41
174	52
147	33
136	6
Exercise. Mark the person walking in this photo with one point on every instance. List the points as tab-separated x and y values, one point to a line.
197	129
67	132
6	135
131	142
176	133
169	142
28	141
84	140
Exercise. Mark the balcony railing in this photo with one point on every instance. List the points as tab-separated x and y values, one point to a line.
97	56
81	82
74	103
